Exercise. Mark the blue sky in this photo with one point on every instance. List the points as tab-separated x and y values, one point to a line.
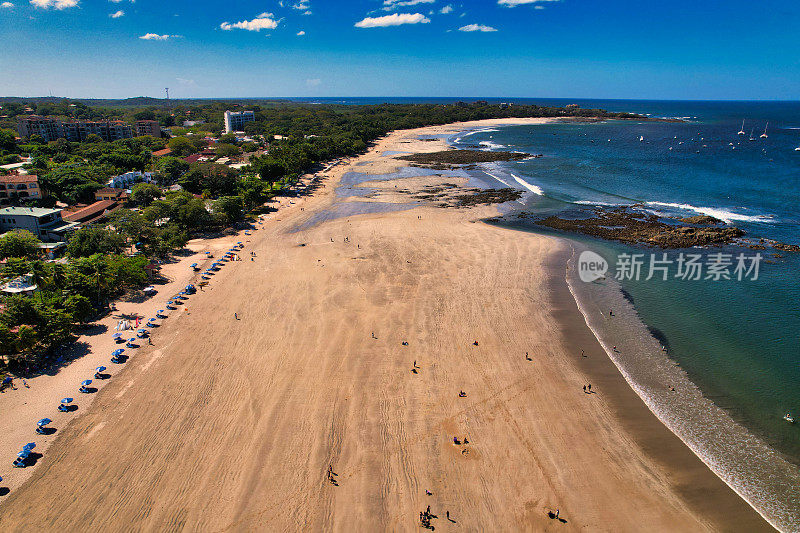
698	49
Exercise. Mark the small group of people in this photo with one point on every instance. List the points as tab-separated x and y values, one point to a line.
587	388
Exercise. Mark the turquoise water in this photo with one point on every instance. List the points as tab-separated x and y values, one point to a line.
739	341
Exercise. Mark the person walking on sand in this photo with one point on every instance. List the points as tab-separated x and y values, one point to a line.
584	389
236	316
589	387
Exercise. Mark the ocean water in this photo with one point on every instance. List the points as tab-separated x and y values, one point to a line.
729	348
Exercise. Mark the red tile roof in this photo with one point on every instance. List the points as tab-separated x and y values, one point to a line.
19	178
92	212
161	153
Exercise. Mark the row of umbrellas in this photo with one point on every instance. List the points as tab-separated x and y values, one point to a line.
116	357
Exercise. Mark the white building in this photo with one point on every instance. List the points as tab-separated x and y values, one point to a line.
235	120
129	179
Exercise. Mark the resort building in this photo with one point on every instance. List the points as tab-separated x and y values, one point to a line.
46	224
51	128
15	188
48	128
235	120
91	213
110	193
148	127
129	179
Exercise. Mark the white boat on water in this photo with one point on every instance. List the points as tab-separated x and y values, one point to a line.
764	135
751	135
641	138
789	418
741	131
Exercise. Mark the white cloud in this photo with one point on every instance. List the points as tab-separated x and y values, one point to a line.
262	22
57	4
515	3
155	37
7	5
303	5
395	19
477	27
117	14
313	82
446	9
187	82
389	5
301	33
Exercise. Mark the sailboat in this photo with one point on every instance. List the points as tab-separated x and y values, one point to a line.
641	138
751	135
764	135
741	131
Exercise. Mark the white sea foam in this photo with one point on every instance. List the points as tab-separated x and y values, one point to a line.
491	146
533	188
504	183
726	215
594	202
486	130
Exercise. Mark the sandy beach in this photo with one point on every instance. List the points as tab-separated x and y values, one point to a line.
344	346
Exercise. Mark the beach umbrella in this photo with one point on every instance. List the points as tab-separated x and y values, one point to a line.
43	422
86	382
117	352
141	330
100	368
66	401
117	335
160	311
193	265
28	447
23	454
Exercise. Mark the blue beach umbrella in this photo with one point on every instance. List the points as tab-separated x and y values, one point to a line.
66	401
23	454
28	447
43	422
118	351
100	368
193	265
86	382
116	335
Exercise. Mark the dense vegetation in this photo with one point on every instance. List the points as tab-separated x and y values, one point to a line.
67	296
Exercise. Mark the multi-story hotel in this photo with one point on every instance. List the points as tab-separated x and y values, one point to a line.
235	120
51	128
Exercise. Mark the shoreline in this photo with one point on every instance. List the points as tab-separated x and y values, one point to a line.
670	485
726	509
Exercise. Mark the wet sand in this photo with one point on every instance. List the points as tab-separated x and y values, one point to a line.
230	424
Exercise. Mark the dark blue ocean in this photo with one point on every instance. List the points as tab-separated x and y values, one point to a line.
738	341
